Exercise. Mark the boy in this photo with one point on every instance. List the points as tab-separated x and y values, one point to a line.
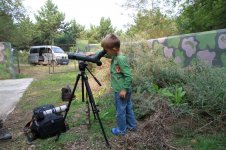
121	80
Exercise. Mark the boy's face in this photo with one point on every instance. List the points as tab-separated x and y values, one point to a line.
112	52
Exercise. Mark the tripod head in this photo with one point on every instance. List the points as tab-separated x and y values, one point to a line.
82	66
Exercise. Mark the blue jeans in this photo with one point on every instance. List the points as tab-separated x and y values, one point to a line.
124	112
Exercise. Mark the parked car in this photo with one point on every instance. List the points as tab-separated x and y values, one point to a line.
47	54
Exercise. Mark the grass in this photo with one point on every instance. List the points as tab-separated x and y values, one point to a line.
4	73
46	89
204	141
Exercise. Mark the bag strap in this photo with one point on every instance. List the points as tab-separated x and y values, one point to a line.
27	131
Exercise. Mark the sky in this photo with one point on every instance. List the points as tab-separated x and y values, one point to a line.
86	12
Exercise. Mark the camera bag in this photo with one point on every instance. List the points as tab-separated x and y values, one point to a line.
45	126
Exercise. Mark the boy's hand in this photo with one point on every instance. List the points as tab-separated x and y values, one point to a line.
122	94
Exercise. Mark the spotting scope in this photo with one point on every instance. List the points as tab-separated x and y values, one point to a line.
82	57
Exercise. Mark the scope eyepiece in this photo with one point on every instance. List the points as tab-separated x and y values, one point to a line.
81	56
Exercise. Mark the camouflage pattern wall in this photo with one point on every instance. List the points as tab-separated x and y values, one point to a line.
208	46
6	63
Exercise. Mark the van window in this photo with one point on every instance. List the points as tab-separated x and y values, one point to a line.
57	50
45	50
33	50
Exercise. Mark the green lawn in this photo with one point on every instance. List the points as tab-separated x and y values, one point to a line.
46	89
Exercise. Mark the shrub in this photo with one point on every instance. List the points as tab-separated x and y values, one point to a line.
205	88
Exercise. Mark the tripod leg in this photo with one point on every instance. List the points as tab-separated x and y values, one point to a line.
95	110
72	94
83	96
83	80
87	115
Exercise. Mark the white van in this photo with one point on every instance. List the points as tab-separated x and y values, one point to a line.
47	54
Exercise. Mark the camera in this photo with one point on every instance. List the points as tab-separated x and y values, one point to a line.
41	113
81	56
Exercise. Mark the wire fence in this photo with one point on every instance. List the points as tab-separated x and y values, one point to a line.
13	62
20	58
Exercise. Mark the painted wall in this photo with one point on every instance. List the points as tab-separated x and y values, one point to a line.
208	46
6	62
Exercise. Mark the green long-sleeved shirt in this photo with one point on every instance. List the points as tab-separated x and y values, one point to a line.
120	80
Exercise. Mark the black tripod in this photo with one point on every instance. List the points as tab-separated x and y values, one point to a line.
82	68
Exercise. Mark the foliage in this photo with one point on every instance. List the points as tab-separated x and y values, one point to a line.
200	87
105	27
4	74
176	96
201	15
6	67
92	34
6	27
154	77
12	8
25	34
159	70
21	56
152	24
189	16
203	142
49	21
170	6
10	11
70	33
205	88
96	33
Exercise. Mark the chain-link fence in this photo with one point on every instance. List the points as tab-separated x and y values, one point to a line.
21	61
6	61
13	62
20	58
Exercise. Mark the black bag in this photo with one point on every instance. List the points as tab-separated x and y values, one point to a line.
45	126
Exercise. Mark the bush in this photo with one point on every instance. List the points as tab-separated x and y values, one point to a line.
204	85
150	66
205	88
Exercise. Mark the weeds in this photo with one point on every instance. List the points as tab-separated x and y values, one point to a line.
176	97
197	91
170	102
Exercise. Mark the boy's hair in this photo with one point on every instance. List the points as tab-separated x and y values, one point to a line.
110	41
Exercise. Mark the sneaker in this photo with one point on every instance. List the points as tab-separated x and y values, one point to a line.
116	131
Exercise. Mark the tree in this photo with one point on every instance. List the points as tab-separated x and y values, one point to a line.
25	33
11	11
105	27
202	15
92	34
6	27
152	18
13	8
69	34
49	22
96	33
166	7
152	24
